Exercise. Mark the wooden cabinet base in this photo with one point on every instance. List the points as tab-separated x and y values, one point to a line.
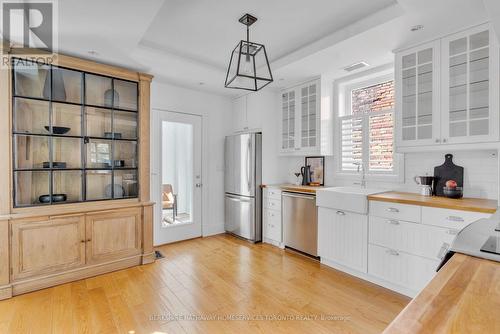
49	250
5	292
42	282
148	258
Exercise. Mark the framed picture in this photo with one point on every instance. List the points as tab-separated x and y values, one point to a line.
317	169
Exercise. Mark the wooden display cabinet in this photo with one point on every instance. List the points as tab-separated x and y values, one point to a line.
81	129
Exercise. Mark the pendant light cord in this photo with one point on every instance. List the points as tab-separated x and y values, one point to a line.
248	43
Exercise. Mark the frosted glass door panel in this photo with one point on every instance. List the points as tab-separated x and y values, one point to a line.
469	84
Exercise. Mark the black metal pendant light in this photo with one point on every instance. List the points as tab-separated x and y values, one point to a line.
248	67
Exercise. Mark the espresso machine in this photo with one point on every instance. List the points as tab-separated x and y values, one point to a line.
427	184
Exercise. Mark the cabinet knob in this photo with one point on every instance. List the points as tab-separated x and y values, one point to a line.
89	240
438	140
445	140
393	222
341	213
82	241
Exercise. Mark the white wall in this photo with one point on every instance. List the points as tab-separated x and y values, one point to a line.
216	113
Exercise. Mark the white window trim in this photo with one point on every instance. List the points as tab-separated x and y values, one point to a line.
342	101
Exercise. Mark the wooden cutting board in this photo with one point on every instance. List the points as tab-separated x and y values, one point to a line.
447	171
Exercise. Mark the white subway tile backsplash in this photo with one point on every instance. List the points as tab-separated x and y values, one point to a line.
480	171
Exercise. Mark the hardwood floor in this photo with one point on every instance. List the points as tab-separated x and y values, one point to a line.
215	276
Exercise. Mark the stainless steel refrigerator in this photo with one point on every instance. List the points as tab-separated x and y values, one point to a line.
243	175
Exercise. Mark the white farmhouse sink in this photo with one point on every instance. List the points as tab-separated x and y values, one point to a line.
353	199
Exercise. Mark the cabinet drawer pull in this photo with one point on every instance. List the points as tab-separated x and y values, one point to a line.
455	219
392	210
341	213
392	252
393	222
452	231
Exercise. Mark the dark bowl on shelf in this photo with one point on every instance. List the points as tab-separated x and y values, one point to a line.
58	130
55	198
55	164
453	192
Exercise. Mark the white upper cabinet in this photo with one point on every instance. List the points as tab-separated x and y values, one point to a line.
417	95
300	119
240	114
288	125
250	111
470	86
447	90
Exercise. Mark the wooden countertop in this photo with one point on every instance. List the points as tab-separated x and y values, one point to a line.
464	297
466	204
295	188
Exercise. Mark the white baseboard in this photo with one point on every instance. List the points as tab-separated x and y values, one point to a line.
274	243
213	230
370	278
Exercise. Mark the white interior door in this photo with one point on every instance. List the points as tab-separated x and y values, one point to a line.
178	181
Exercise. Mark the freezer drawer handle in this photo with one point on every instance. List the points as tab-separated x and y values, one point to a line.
341	213
455	218
392	210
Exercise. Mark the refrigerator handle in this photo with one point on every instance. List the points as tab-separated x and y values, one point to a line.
248	162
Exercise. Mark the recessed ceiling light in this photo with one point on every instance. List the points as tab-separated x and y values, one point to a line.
93	53
417	27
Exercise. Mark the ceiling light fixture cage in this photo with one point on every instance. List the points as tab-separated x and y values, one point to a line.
248	66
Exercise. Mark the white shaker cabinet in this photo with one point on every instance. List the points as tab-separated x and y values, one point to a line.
342	238
239	116
271	217
470	86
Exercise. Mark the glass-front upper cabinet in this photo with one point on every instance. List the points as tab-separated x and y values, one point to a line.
288	121
417	95
300	119
74	135
470	82
309	115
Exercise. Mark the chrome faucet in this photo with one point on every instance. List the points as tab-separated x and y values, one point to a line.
363	176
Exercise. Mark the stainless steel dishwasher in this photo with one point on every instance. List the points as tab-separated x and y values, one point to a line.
300	222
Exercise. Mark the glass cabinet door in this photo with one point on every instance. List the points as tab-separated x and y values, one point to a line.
309	114
74	135
467	69
288	121
418	96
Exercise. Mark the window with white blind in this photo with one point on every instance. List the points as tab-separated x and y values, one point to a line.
366	126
